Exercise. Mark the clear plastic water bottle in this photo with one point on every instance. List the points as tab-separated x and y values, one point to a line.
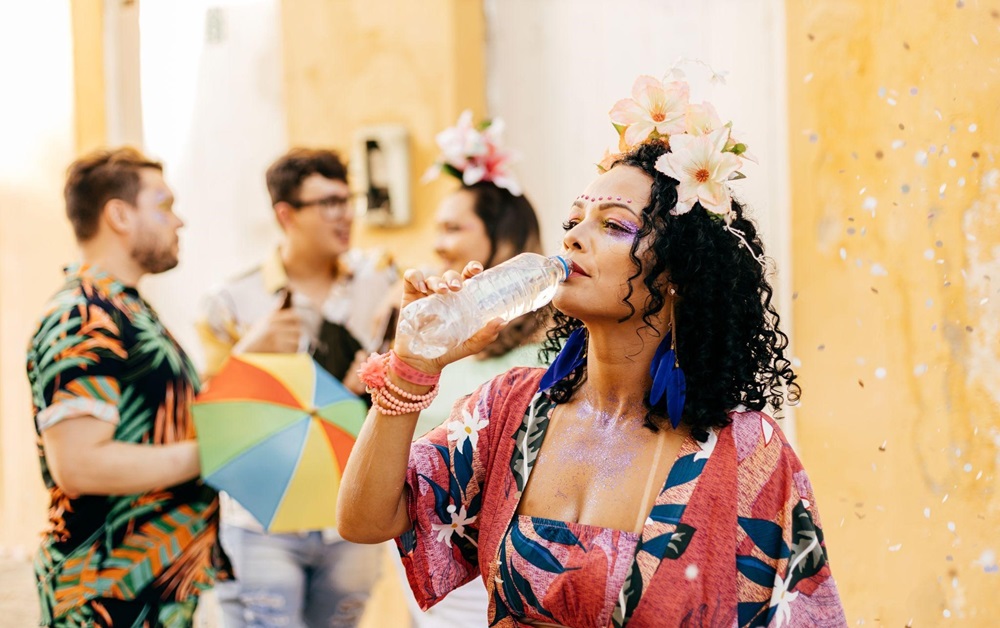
522	284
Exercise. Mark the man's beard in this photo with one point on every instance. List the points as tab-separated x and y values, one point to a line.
153	258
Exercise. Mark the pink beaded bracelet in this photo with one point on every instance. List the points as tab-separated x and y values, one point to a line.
391	400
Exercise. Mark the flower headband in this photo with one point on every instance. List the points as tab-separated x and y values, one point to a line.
475	153
704	156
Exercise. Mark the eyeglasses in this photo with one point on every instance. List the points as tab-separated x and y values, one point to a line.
329	207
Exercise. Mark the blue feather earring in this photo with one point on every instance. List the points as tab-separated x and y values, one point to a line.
569	358
669	384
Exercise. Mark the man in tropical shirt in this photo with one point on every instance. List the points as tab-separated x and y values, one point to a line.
132	532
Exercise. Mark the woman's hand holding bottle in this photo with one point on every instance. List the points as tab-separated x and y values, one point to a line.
417	286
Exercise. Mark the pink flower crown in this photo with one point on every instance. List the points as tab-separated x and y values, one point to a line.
475	153
704	156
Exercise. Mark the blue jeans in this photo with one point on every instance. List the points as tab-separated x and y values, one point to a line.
296	581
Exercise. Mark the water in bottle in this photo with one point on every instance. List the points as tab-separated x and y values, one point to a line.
522	284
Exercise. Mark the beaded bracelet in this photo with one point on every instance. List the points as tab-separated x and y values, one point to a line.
390	399
390	405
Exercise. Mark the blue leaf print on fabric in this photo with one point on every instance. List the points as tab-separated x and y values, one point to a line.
445	454
657	545
533	552
684	470
751	614
463	465
524	587
455	489
766	535
499	609
441	500
556	532
756	570
507	582
474	505
667	513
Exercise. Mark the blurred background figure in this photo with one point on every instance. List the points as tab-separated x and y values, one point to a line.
486	219
314	294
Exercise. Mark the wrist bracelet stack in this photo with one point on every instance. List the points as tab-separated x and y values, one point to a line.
388	398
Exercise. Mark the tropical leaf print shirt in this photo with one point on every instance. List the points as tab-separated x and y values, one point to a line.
100	351
733	538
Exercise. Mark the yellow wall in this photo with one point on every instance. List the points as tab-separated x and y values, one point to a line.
350	63
907	283
39	140
88	72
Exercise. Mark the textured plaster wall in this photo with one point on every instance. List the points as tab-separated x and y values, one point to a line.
894	132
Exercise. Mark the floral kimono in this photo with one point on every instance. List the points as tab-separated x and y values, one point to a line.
733	538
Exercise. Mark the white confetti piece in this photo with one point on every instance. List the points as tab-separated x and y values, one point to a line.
807	77
975	39
919	369
896	547
862	191
947	613
979	475
897	144
951	526
891	101
952	162
880	372
941	189
927	513
870	204
968	467
921	158
945	498
961	182
691	572
973	127
843	253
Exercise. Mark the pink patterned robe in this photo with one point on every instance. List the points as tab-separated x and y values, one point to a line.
733	539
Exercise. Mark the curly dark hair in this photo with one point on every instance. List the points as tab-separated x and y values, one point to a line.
729	344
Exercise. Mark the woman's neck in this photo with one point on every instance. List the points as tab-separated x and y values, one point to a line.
618	363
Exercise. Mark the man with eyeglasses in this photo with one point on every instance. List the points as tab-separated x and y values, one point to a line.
313	294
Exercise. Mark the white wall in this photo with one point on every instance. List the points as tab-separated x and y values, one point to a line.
556	67
213	111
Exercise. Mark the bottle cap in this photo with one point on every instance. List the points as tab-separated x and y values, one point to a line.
565	265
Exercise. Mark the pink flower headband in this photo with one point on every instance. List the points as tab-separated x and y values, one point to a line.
475	153
704	156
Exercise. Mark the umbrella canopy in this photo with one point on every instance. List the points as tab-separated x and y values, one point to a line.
274	432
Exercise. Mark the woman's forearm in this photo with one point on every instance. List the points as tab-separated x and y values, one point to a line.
371	507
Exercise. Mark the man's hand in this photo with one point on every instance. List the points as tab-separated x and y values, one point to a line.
278	332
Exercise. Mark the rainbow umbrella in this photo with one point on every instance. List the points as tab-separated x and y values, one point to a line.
274	431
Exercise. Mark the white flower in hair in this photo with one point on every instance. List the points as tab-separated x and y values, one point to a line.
654	106
702	170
